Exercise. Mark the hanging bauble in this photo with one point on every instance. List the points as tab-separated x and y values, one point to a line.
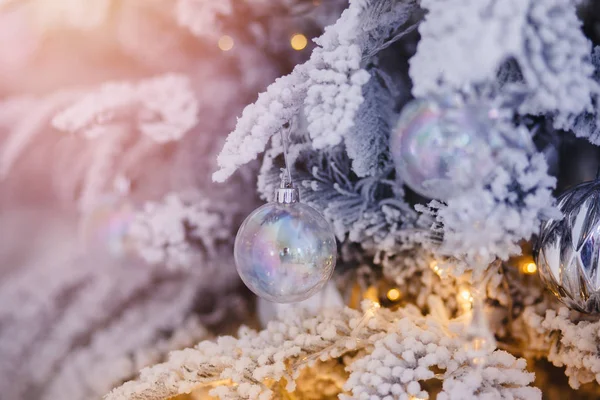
567	250
441	145
285	251
106	225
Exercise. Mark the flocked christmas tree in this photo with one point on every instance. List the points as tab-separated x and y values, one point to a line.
433	136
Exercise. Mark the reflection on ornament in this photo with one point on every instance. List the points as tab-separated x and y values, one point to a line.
286	251
107	225
438	141
567	252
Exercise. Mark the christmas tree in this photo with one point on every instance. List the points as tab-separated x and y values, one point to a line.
440	153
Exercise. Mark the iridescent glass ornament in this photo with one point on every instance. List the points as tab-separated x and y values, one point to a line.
441	146
568	249
285	251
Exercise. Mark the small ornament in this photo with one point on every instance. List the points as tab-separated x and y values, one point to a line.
285	251
567	250
441	146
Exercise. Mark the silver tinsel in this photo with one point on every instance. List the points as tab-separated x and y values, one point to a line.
567	253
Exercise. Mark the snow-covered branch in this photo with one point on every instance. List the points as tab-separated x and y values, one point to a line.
181	229
327	89
396	351
472	40
572	344
163	108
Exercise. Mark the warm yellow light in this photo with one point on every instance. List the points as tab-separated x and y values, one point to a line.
465	294
465	300
529	268
393	294
372	310
298	41
435	267
226	43
371	294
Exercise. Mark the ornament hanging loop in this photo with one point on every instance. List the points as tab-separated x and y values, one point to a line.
287	193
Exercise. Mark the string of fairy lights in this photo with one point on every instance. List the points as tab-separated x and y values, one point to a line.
298	42
465	296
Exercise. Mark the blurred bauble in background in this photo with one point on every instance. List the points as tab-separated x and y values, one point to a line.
441	146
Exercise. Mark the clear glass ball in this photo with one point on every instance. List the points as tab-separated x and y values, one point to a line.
285	252
440	147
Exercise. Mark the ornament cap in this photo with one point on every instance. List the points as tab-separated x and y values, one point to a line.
287	194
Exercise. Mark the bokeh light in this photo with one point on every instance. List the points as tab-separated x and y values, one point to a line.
529	268
298	42
226	43
393	294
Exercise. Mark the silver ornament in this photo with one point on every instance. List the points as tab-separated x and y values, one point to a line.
441	146
568	249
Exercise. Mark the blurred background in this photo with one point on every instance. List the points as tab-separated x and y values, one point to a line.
116	247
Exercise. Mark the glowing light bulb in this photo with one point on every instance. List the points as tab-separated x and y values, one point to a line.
298	41
529	268
225	43
393	294
436	268
465	294
465	299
